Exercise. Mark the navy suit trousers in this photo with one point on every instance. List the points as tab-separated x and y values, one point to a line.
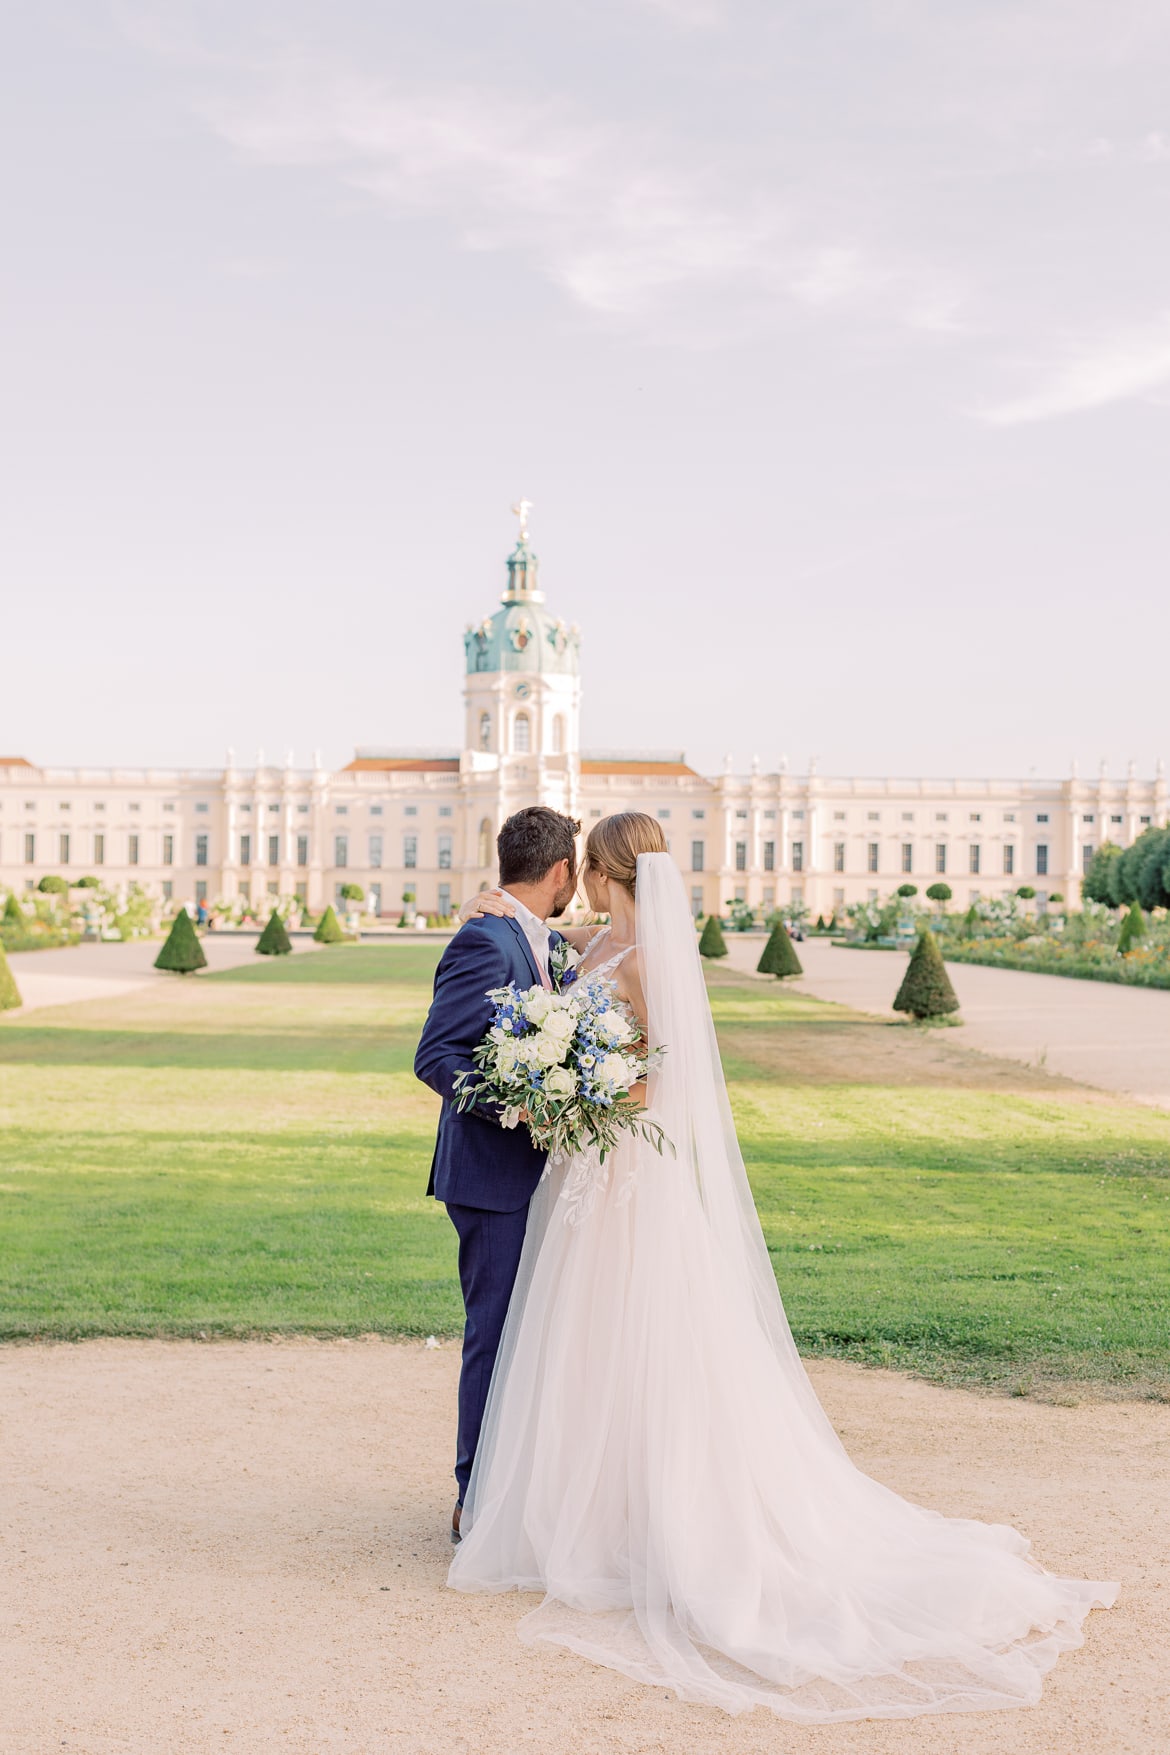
489	1255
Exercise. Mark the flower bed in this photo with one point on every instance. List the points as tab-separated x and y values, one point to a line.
1147	966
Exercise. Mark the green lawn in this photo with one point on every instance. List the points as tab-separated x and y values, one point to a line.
247	1152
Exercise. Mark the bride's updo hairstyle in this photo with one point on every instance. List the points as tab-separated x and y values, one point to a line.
613	845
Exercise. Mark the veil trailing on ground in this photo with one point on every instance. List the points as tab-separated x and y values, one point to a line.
655	1460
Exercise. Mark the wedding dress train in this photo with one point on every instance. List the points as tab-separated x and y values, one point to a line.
655	1461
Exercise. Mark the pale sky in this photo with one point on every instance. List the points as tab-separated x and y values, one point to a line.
831	342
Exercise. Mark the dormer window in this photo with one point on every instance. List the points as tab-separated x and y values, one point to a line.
522	734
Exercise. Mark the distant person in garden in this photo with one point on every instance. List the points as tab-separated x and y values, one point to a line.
653	1457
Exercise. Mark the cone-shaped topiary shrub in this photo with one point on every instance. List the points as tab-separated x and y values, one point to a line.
274	940
926	990
711	941
13	912
329	928
182	954
779	956
1133	929
9	991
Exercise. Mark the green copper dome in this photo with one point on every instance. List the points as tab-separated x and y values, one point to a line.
523	636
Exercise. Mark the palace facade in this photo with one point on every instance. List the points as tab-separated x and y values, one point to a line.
423	823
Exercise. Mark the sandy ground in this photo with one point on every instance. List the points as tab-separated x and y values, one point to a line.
242	1547
1117	1038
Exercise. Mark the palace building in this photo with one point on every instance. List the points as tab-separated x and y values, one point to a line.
422	823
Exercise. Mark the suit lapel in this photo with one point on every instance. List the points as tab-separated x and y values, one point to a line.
526	947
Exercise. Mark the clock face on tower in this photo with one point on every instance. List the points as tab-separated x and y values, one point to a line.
522	691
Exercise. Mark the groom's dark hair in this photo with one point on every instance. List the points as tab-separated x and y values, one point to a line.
533	841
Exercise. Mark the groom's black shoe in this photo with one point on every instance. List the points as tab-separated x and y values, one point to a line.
455	1516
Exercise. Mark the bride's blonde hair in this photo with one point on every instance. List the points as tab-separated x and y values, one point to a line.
613	845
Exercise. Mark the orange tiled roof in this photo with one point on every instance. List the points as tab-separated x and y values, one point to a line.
14	762
403	765
656	770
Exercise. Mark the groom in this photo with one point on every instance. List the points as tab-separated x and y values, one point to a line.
484	1173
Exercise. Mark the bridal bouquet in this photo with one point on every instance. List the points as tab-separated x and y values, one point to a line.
563	1063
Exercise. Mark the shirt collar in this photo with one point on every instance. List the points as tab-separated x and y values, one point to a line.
529	922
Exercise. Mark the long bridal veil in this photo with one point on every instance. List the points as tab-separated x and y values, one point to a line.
655	1460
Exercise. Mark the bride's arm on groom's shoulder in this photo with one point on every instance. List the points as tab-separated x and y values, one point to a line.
471	966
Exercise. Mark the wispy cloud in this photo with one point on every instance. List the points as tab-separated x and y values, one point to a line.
632	226
1120	368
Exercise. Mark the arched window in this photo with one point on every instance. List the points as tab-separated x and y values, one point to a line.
522	734
485	731
559	735
485	842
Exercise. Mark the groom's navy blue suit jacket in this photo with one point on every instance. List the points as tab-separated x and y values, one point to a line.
477	1162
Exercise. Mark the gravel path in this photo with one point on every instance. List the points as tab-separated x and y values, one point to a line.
241	1546
105	971
1117	1038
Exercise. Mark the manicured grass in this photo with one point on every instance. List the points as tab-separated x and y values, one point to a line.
248	1151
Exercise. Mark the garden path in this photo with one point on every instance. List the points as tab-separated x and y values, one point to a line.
242	1546
1099	1033
104	971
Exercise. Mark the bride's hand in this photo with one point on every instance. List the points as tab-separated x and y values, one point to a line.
487	902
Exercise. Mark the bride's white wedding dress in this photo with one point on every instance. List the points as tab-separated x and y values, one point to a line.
655	1460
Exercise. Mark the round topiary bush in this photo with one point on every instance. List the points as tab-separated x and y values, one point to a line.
53	885
712	942
779	955
907	889
182	953
926	990
939	893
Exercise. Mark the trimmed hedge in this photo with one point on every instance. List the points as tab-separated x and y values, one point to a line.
274	940
926	990
779	956
182	954
712	942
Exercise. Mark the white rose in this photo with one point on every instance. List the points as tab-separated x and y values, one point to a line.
537	1006
612	1027
561	1082
560	1024
614	1070
547	1050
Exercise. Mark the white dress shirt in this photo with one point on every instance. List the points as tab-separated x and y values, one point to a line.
535	931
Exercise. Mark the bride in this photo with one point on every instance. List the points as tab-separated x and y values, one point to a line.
654	1459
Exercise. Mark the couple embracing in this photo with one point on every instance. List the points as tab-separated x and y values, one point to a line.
638	1440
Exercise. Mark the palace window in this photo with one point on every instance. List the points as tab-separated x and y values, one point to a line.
741	816
410	851
873	816
200	809
522	734
871	857
1088	818
1112	819
274	849
375	852
444	900
558	734
975	816
168	850
1009	816
769	816
201	852
444	852
1009	859
1043	817
341	850
663	816
697	902
63	850
410	810
1041	860
907	856
99	850
485	842
302	850
245	849
838	816
30	850
769	897
485	731
940	816
797	857
697	850
838	856
769	855
343	810
132	850
200	888
1086	857
940	856
168	889
303	810
974	855
375	810
741	856
698	815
